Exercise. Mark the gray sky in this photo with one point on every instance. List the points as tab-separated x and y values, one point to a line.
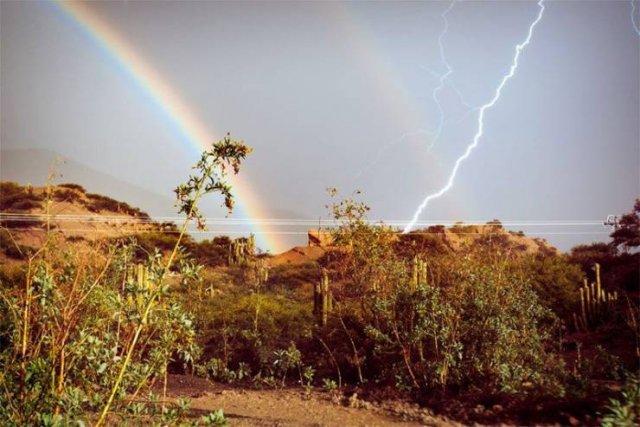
325	91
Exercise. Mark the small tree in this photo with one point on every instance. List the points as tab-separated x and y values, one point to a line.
211	177
626	236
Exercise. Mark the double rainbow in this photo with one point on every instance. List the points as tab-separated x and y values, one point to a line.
194	132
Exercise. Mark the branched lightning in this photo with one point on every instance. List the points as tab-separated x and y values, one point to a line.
453	86
519	48
633	20
381	152
443	81
445	76
446	122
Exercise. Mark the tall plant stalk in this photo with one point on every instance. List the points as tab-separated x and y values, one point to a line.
212	167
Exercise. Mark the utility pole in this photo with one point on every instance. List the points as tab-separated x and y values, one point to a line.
612	221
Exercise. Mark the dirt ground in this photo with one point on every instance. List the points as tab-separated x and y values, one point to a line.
294	407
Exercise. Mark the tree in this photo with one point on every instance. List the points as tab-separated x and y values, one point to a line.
627	234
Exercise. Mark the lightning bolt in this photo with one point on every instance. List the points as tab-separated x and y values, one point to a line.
443	80
444	77
393	143
476	139
633	21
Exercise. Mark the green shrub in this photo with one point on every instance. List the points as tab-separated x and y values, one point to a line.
64	195
70	341
469	322
212	253
556	282
293	277
16	198
76	187
86	329
98	203
625	411
239	326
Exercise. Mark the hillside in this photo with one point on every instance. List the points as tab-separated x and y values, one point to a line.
460	237
263	307
452	240
73	213
78	214
33	165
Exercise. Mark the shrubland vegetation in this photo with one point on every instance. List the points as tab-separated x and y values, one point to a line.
85	332
484	332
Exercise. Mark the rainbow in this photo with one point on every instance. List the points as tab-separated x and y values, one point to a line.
194	132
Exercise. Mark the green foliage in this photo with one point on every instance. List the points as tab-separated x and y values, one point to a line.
147	243
15	198
328	384
217	370
619	258
460	330
211	253
293	277
66	195
627	234
625	412
68	331
555	281
210	177
208	253
88	326
469	322
11	248
427	242
240	326
215	418
72	186
98	203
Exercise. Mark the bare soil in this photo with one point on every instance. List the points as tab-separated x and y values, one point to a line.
294	406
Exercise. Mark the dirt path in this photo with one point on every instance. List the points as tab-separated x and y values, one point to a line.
291	407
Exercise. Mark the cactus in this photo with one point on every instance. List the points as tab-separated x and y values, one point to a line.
251	245
241	250
139	274
595	303
419	273
261	273
322	299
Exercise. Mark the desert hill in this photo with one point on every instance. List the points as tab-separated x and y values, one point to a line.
72	212
33	165
460	237
77	214
438	238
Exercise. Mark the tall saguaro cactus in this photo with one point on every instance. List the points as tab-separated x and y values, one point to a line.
419	273
322	299
261	273
241	250
595	303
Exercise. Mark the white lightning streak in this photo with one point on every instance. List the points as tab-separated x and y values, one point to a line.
445	76
443	80
480	131
633	21
453	86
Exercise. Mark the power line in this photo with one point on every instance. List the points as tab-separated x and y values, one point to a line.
244	232
83	218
